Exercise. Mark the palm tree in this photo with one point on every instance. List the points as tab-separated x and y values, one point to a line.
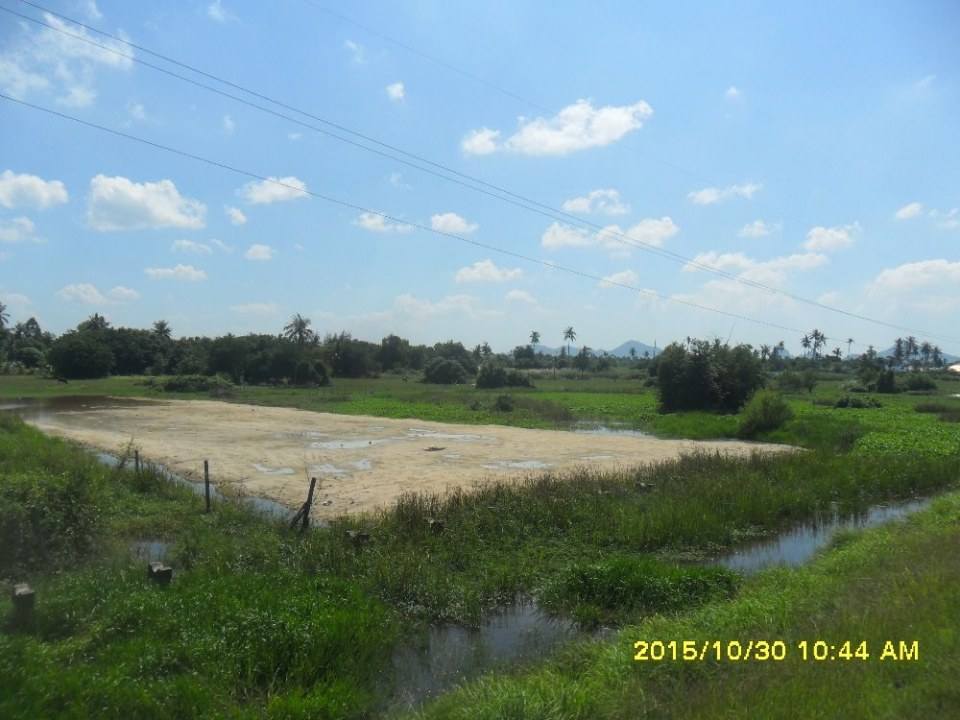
764	352
298	330
569	335
161	328
805	342
485	349
850	342
534	338
4	317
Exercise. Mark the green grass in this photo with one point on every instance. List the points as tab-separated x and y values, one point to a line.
892	583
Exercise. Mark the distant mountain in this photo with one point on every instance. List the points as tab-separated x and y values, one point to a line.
948	359
623	350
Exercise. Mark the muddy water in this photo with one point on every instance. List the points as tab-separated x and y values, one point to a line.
796	546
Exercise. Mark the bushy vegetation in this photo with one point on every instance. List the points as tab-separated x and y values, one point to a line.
442	371
707	376
857	403
496	376
797	381
766	411
917	382
197	383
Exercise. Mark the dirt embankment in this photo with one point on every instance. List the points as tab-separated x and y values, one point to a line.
361	462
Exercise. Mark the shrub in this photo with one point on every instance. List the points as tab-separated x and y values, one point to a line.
707	376
766	411
885	382
310	374
915	381
494	376
932	407
213	384
503	403
77	355
444	372
857	403
790	381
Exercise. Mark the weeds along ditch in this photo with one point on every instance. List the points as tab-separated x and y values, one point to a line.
260	620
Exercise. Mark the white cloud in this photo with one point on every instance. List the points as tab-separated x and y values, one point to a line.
411	306
92	11
20	229
396	91
22	190
924	273
357	51
49	59
294	136
833	238
82	293
624	277
229	125
88	294
117	203
713	195
396	179
256	309
222	246
451	223
649	231
179	272
136	110
769	272
947	220
910	210
273	189
236	215
217	13
189	246
259	252
480	142
123	294
378	223
576	127
520	296
605	201
487	271
13	300
757	229
925	83
732	93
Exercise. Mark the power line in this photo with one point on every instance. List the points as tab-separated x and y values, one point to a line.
519	201
388	217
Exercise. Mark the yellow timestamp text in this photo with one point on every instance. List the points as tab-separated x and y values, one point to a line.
774	650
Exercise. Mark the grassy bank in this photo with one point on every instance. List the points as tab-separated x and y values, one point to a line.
900	582
263	621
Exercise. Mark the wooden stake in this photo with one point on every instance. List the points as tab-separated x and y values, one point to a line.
307	504
136	461
206	482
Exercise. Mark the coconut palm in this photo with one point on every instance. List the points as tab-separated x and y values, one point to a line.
569	335
298	330
4	317
534	338
850	342
161	328
805	342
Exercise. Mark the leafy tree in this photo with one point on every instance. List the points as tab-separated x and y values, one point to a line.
76	355
582	361
94	323
161	328
495	376
707	376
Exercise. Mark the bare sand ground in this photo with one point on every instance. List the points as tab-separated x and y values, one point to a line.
362	462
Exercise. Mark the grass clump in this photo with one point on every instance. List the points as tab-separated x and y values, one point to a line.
594	593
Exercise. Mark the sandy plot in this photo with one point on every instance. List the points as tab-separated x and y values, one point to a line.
361	462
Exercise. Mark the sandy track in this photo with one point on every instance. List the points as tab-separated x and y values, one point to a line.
362	462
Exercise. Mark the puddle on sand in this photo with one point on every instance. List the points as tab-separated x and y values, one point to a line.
149	550
451	654
517	465
597	457
46	409
267	470
587	427
350	444
325	469
436	435
796	547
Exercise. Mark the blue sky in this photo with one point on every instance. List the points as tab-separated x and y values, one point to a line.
810	147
